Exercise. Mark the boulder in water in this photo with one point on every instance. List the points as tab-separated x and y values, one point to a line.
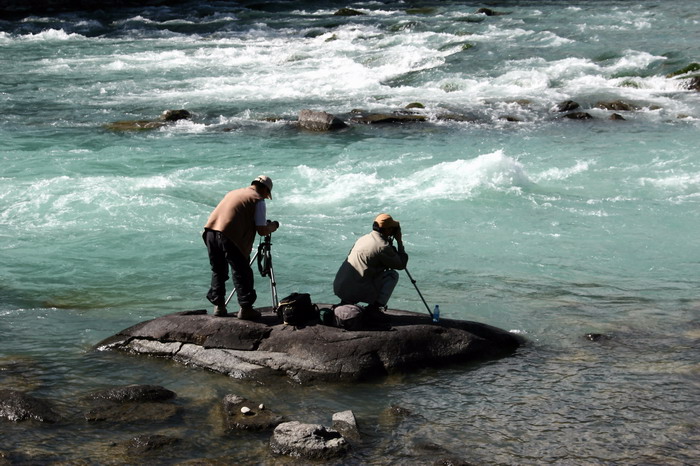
265	348
307	441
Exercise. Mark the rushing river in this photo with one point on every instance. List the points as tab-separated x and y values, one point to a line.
512	215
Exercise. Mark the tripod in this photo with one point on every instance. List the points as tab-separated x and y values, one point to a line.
264	257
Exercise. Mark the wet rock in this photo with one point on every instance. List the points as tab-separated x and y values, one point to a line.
596	337
345	423
510	118
685	70
134	393
319	121
132	403
578	116
617	105
616	116
265	348
307	441
18	406
168	116
414	105
243	414
452	461
348	12
385	118
149	443
134	125
694	84
20	372
489	12
393	416
566	106
175	115
132	412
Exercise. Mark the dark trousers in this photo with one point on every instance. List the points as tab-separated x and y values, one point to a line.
222	254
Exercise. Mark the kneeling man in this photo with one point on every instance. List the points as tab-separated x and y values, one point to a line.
369	274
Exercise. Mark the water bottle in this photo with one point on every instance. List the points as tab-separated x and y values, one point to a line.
436	314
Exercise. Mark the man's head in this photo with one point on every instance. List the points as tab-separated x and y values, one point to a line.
386	225
264	185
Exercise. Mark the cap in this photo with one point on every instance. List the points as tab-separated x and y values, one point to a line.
265	181
385	221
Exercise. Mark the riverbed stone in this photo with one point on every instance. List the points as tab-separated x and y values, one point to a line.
307	441
261	349
567	106
17	406
579	116
150	444
132	412
313	120
134	393
131	403
243	414
346	423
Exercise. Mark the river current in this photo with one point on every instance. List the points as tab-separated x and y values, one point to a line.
512	214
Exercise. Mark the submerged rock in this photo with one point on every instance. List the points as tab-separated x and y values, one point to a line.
134	393
132	403
243	414
18	406
149	444
617	105
308	441
579	116
383	118
168	116
258	350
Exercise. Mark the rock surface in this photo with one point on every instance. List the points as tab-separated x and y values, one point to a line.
309	441
243	414
18	406
257	350
313	120
132	403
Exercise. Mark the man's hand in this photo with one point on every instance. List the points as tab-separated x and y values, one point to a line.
271	227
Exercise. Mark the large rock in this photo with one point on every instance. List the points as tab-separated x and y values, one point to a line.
257	350
18	406
308	441
313	120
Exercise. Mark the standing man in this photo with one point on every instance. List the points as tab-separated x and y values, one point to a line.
229	235
369	274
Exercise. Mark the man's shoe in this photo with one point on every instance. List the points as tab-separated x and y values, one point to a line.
248	313
220	311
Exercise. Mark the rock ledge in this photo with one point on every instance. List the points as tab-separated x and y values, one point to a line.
258	350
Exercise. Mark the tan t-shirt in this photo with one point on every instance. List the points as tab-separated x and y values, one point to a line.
235	217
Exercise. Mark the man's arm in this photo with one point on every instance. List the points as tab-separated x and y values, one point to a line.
271	227
263	226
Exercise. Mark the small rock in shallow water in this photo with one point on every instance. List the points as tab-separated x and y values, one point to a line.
245	410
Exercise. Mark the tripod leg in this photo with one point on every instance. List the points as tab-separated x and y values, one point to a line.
234	287
273	289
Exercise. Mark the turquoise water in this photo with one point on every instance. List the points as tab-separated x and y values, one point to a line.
545	226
